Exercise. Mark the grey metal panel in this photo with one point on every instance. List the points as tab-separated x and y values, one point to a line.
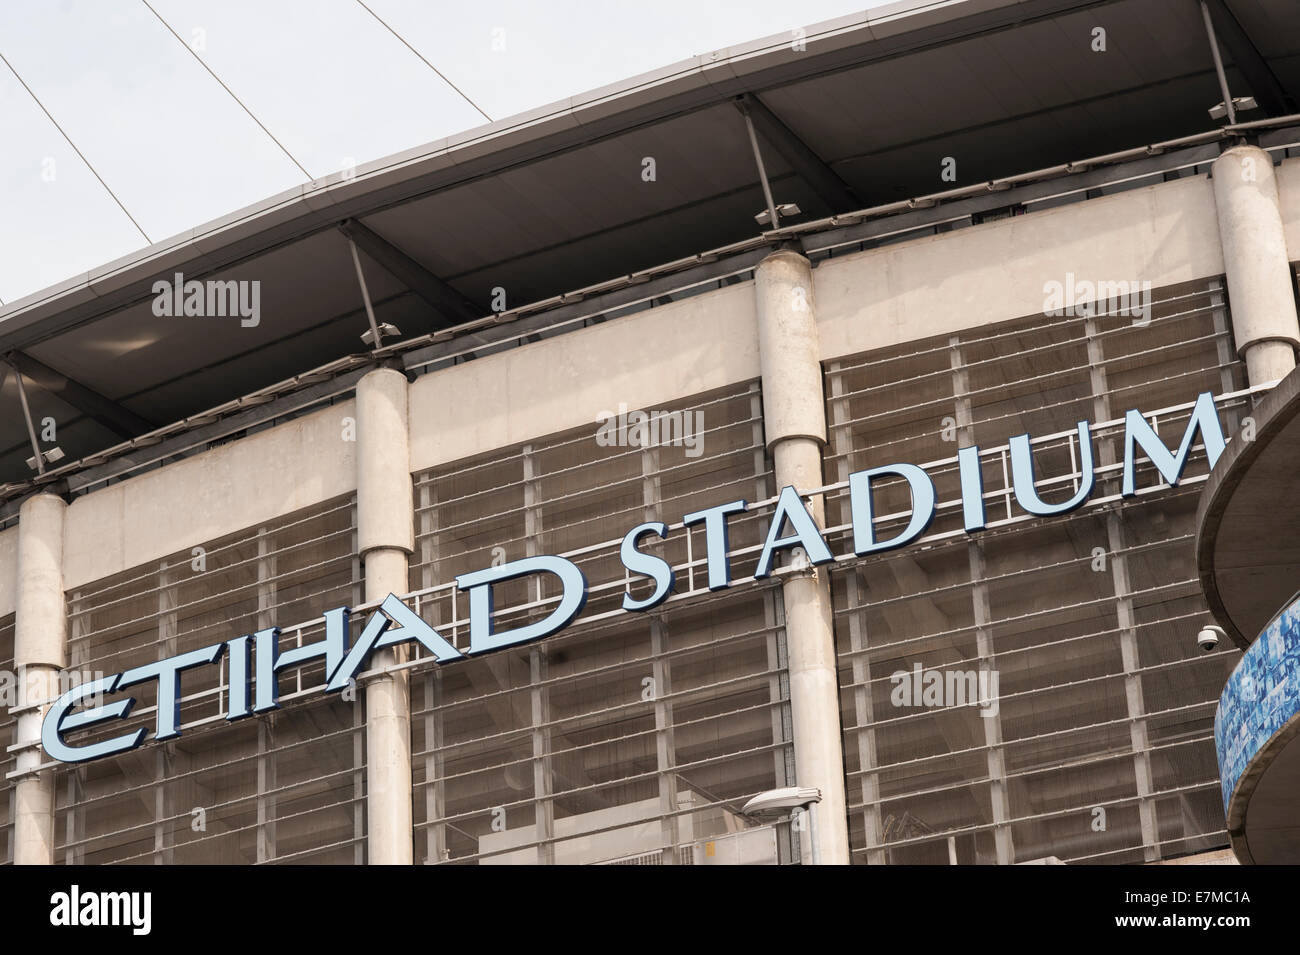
126	354
941	92
564	198
1273	25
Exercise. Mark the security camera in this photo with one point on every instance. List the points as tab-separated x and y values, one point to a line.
1209	637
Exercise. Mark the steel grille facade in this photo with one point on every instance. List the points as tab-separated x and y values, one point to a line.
287	786
629	738
635	738
1097	744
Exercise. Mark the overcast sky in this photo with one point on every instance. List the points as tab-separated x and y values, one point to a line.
325	78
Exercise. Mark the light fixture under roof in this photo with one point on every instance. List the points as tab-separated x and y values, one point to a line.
385	329
49	456
785	209
1239	103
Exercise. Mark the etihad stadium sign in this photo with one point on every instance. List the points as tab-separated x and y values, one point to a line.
254	661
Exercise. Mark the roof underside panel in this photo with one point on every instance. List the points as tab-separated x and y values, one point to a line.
1019	99
581	217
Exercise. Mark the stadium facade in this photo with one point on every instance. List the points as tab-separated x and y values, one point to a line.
970	628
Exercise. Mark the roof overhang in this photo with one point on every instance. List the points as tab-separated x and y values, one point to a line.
552	200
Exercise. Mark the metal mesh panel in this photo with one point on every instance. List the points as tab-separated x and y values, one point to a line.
629	739
286	786
1096	742
577	491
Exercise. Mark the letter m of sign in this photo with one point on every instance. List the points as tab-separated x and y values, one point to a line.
1137	433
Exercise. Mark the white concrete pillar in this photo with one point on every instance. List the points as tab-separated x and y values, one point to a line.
794	422
40	653
1256	262
386	538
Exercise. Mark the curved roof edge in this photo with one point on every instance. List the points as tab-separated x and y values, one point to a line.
1272	415
687	84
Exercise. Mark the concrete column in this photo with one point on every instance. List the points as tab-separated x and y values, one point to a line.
386	538
1256	262
40	653
794	419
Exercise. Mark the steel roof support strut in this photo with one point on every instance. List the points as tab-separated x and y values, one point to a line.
92	404
810	167
1261	81
365	296
452	307
27	417
1218	64
762	170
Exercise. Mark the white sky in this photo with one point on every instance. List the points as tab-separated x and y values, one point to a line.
323	76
